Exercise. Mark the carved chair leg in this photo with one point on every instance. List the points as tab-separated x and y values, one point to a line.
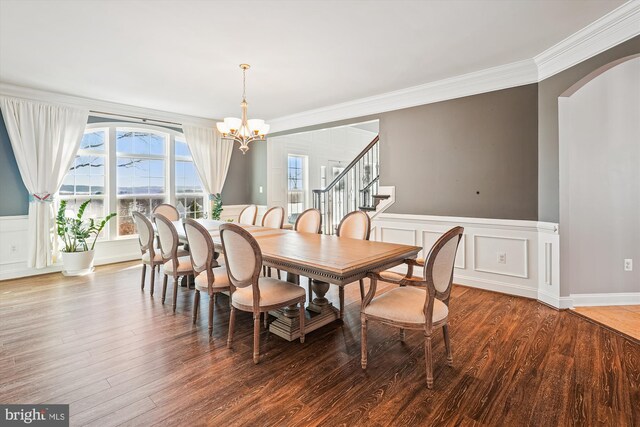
153	279
361	289
341	298
232	323
212	303
302	320
164	287
196	304
264	270
266	318
256	338
269	271
428	359
309	293
363	341
402	334
176	283
144	272
447	344
279	275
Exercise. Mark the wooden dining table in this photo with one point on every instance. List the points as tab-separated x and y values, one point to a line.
324	259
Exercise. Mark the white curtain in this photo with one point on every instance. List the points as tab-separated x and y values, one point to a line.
45	139
211	155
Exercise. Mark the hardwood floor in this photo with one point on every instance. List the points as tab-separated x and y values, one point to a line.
622	318
119	357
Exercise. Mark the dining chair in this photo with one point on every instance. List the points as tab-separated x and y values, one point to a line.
207	280
174	265
273	218
354	225
148	252
249	291
309	221
168	211
419	303
248	215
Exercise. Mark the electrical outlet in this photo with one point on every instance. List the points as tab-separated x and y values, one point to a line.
628	264
13	249
502	257
261	189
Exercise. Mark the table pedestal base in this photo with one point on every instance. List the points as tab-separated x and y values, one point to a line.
319	313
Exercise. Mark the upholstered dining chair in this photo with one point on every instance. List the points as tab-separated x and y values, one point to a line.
207	279
309	221
354	225
174	265
248	215
273	218
249	291
419	303
168	211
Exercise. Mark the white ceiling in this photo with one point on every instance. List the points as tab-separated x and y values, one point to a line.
183	56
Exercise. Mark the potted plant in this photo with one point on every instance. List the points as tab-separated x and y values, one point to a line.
216	206
75	232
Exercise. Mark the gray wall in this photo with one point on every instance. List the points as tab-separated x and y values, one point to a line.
14	199
600	183
439	156
258	153
548	92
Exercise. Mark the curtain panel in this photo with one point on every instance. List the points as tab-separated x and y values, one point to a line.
45	139
211	156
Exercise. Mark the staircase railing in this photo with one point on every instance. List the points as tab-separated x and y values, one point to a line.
352	189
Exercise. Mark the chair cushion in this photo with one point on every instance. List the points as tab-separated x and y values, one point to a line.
157	259
405	304
184	266
221	280
272	292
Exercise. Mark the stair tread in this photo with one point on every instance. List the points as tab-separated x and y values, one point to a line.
367	208
381	196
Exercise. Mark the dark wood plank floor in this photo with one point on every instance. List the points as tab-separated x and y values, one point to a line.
119	357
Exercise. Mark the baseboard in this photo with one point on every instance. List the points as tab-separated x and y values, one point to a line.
595	300
496	286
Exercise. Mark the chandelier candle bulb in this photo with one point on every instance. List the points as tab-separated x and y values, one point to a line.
243	130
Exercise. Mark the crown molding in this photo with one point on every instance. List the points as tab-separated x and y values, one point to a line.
8	89
617	26
490	79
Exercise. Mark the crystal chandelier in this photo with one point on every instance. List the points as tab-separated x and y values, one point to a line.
242	130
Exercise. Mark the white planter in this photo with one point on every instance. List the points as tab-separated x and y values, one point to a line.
77	263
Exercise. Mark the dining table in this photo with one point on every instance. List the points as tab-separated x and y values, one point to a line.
324	259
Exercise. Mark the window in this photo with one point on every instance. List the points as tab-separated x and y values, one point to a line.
296	190
125	168
86	177
189	191
140	171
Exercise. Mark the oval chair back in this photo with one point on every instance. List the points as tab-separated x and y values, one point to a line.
168	211
145	233
201	248
168	236
273	218
438	268
248	215
244	258
355	225
309	221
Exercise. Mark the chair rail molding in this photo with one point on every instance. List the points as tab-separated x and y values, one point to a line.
515	257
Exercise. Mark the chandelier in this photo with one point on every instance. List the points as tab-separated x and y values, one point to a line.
243	130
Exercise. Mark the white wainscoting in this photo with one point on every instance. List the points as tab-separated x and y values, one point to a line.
509	256
13	250
13	246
